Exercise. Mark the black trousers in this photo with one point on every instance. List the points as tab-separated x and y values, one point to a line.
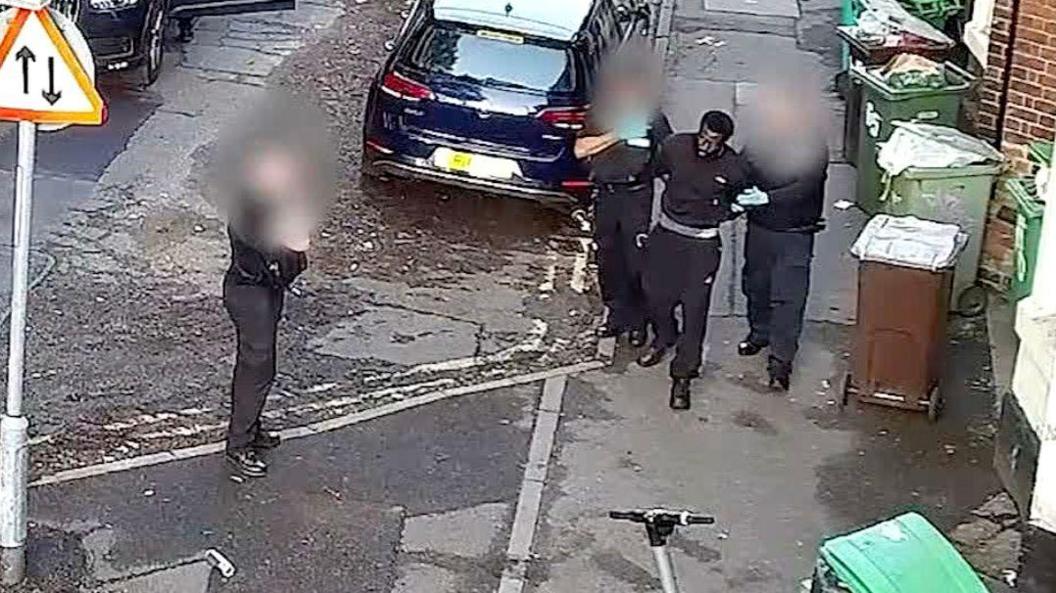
681	271
621	214
256	311
776	282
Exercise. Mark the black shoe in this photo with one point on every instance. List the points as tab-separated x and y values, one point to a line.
265	441
637	337
780	375
247	462
780	381
652	358
680	394
750	348
608	330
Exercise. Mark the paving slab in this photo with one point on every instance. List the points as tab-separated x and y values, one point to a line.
466	532
786	8
745	57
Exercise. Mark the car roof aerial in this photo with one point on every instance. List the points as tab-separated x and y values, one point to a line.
559	20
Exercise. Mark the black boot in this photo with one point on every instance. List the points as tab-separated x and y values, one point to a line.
637	337
609	330
680	394
186	30
780	375
653	357
750	347
265	441
247	462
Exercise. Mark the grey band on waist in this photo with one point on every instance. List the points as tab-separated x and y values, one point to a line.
674	226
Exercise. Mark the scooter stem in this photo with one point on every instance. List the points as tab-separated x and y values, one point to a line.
664	568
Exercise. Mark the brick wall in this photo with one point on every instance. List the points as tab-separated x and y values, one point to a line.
1030	113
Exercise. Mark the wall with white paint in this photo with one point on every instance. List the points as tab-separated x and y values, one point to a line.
1034	381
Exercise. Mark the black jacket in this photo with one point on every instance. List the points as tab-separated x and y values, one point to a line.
254	264
797	193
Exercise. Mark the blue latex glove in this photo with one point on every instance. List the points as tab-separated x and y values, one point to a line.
753	197
633	127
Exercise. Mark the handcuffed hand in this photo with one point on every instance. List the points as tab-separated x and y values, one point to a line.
753	197
632	128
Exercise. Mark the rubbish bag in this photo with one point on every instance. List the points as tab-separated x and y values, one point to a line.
909	71
910	242
891	11
928	146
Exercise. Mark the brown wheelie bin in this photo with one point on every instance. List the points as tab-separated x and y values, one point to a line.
904	282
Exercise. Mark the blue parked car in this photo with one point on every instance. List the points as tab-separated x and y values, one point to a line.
490	94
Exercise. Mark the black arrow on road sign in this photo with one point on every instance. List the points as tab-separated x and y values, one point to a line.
25	55
50	95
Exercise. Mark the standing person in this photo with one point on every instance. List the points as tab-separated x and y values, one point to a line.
268	251
621	145
788	166
703	175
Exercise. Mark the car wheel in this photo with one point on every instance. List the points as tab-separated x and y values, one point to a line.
155	45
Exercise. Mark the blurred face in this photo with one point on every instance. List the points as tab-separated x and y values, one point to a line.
709	143
276	176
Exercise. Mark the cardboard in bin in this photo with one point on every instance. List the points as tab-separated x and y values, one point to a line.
910	242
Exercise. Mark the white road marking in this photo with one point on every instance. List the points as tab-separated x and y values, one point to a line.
315	428
534	343
529	504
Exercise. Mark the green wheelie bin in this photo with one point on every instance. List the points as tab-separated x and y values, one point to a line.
882	105
903	555
1029	214
956	195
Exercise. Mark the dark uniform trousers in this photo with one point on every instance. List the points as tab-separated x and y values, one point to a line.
776	281
256	311
681	271
621	213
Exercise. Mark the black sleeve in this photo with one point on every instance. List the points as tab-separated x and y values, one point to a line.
804	187
662	162
661	128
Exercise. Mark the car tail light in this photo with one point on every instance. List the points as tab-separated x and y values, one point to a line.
402	87
576	184
568	118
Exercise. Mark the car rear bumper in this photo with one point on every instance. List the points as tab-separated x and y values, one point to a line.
412	168
116	37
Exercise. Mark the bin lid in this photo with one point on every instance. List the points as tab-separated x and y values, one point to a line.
930	146
903	555
910	242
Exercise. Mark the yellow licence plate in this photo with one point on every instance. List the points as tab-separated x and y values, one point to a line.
459	161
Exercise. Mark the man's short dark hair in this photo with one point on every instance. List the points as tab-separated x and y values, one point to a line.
717	122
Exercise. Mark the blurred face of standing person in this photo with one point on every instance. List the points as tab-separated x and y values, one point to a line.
276	177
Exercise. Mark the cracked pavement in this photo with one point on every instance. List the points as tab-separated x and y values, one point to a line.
412	288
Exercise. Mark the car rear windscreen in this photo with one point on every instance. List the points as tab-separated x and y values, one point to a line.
494	59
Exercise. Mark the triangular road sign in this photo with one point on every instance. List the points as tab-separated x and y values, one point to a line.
41	78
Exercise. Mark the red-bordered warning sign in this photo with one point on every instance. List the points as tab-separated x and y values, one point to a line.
42	79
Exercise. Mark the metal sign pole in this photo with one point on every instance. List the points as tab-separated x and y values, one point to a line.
14	427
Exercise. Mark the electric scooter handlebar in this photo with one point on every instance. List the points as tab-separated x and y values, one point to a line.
662	517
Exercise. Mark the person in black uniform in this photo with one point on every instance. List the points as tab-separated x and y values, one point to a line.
703	176
267	254
621	144
788	168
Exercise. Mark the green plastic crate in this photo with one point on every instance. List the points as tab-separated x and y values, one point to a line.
1041	153
936	12
1029	215
904	555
